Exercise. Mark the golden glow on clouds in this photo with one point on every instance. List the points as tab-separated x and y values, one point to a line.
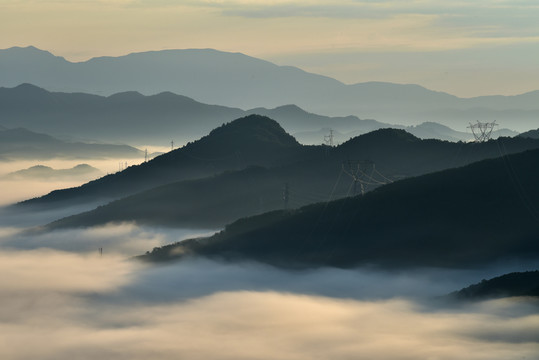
58	303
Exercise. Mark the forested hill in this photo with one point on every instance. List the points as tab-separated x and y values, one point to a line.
513	284
252	140
483	212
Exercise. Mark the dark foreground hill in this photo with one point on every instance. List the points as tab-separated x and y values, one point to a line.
513	284
483	212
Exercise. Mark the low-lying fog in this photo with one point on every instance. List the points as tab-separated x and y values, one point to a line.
14	190
74	303
61	299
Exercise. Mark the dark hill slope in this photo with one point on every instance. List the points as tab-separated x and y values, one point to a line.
483	212
534	134
315	175
253	140
513	284
400	153
211	202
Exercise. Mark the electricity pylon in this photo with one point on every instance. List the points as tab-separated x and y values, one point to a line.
482	131
328	139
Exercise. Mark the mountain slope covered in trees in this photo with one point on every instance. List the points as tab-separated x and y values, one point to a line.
480	213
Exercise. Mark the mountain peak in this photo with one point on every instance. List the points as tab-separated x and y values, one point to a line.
126	96
26	87
383	135
258	127
19	52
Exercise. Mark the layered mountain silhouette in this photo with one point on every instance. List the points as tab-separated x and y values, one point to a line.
42	172
508	285
262	162
237	80
20	144
426	130
252	140
132	117
480	213
128	116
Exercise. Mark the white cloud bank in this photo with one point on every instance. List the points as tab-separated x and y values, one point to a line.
58	306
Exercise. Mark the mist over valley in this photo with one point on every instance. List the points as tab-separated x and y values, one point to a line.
212	205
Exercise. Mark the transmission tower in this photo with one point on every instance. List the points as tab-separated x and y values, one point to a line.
328	139
482	131
146	155
172	145
363	173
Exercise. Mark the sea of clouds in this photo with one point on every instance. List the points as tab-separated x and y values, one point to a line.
61	299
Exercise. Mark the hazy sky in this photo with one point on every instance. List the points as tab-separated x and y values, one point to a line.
473	47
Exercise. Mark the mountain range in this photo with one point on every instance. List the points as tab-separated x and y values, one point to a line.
481	213
23	144
157	119
245	167
41	172
426	130
237	80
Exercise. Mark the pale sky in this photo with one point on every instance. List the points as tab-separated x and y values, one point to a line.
467	48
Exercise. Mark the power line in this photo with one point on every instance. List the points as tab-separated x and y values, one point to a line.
357	170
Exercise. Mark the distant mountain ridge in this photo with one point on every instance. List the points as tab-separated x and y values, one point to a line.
20	143
237	80
42	172
132	117
426	130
